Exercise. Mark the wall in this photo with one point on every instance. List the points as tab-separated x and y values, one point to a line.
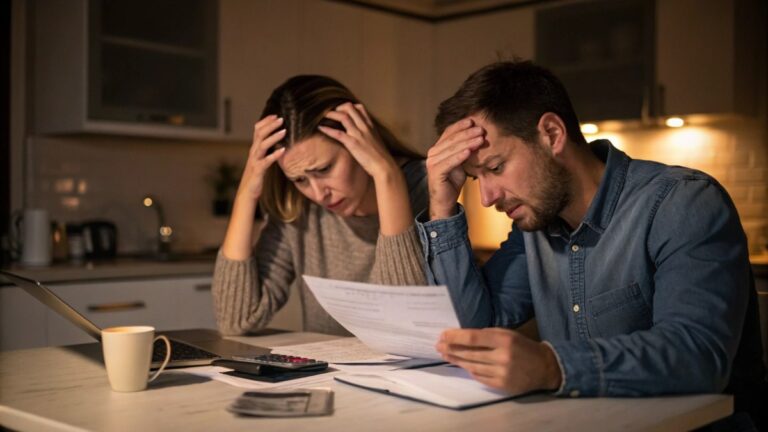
103	177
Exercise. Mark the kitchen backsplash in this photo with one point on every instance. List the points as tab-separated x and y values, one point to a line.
90	177
79	178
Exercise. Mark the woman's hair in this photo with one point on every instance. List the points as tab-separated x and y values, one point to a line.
302	102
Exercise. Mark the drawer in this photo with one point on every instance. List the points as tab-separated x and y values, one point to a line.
166	304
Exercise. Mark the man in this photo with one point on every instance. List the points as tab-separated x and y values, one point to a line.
637	272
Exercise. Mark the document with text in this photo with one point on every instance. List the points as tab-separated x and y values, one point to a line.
400	320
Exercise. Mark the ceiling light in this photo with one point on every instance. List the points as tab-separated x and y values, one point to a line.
589	128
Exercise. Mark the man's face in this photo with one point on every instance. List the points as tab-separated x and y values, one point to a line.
520	179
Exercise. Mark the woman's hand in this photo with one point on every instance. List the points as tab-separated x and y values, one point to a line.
265	135
237	240
361	139
364	144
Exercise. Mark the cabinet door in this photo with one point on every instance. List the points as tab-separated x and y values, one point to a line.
22	320
706	55
166	304
258	50
396	75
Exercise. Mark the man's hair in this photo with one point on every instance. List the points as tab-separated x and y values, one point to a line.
513	95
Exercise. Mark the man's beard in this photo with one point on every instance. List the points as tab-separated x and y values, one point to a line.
551	195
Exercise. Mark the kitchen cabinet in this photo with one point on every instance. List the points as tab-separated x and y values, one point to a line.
166	304
707	56
638	59
126	67
259	49
382	58
22	320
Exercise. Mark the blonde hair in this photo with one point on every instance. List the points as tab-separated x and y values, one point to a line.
302	102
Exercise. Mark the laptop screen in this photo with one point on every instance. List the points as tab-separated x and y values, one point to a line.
48	298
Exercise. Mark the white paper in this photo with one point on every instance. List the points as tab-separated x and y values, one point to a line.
400	320
349	350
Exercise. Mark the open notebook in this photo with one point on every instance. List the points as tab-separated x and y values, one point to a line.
443	385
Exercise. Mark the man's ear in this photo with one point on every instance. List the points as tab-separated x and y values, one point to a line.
552	132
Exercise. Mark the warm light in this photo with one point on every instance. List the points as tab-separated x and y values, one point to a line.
675	122
165	231
147	202
589	128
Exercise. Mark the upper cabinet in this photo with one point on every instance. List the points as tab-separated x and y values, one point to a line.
707	56
134	67
637	59
603	53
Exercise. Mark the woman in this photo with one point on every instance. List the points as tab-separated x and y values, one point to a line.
338	190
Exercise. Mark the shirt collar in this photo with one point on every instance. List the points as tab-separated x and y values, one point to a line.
603	204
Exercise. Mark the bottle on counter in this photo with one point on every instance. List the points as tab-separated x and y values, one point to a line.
75	243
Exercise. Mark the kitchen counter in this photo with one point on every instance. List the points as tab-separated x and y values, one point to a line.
119	268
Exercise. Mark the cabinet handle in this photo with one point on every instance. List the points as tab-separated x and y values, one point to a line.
117	306
203	287
227	115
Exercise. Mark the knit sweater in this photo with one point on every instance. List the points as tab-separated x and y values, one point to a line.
320	243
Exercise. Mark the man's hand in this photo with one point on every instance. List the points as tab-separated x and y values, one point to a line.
502	358
444	172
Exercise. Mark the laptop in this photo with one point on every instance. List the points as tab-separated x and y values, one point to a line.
198	347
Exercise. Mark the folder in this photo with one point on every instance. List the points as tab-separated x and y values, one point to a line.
443	385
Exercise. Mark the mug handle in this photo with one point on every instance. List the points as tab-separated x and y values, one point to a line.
167	356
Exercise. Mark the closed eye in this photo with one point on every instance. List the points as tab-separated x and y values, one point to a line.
497	169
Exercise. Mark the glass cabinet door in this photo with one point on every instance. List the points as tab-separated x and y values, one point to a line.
153	61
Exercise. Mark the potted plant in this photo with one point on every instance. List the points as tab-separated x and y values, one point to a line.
223	179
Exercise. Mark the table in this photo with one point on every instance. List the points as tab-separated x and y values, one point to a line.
66	389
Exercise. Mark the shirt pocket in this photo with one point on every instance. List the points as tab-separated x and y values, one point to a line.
619	311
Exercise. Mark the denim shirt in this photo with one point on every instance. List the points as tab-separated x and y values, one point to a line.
646	296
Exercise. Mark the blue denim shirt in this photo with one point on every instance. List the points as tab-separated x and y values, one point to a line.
646	296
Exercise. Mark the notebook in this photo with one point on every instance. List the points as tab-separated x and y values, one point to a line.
196	347
444	385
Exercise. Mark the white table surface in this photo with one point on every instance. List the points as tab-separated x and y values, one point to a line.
66	388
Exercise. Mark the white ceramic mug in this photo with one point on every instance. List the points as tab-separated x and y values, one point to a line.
128	354
36	243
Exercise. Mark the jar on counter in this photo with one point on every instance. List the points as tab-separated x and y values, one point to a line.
75	243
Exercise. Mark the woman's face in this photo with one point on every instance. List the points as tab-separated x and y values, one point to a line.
326	173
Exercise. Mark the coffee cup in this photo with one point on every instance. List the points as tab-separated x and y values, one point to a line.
128	354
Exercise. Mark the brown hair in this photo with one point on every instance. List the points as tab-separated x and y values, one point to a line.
302	102
513	95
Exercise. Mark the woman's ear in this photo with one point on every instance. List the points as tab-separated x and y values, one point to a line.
552	132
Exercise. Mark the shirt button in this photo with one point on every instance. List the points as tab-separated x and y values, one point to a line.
574	393
575	248
576	308
433	234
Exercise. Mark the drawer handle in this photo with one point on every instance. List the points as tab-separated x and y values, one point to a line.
118	306
203	287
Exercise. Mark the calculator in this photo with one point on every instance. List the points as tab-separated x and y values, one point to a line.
271	362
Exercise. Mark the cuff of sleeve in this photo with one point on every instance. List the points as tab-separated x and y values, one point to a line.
442	234
581	367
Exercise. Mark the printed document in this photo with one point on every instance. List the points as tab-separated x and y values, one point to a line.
400	320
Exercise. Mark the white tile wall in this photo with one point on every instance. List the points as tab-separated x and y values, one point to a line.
80	178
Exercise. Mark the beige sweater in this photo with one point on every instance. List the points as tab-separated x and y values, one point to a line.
248	293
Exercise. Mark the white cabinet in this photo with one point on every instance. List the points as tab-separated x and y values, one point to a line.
383	58
131	68
707	55
22	320
258	50
166	304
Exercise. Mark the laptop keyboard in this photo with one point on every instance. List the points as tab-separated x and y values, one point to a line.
179	351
